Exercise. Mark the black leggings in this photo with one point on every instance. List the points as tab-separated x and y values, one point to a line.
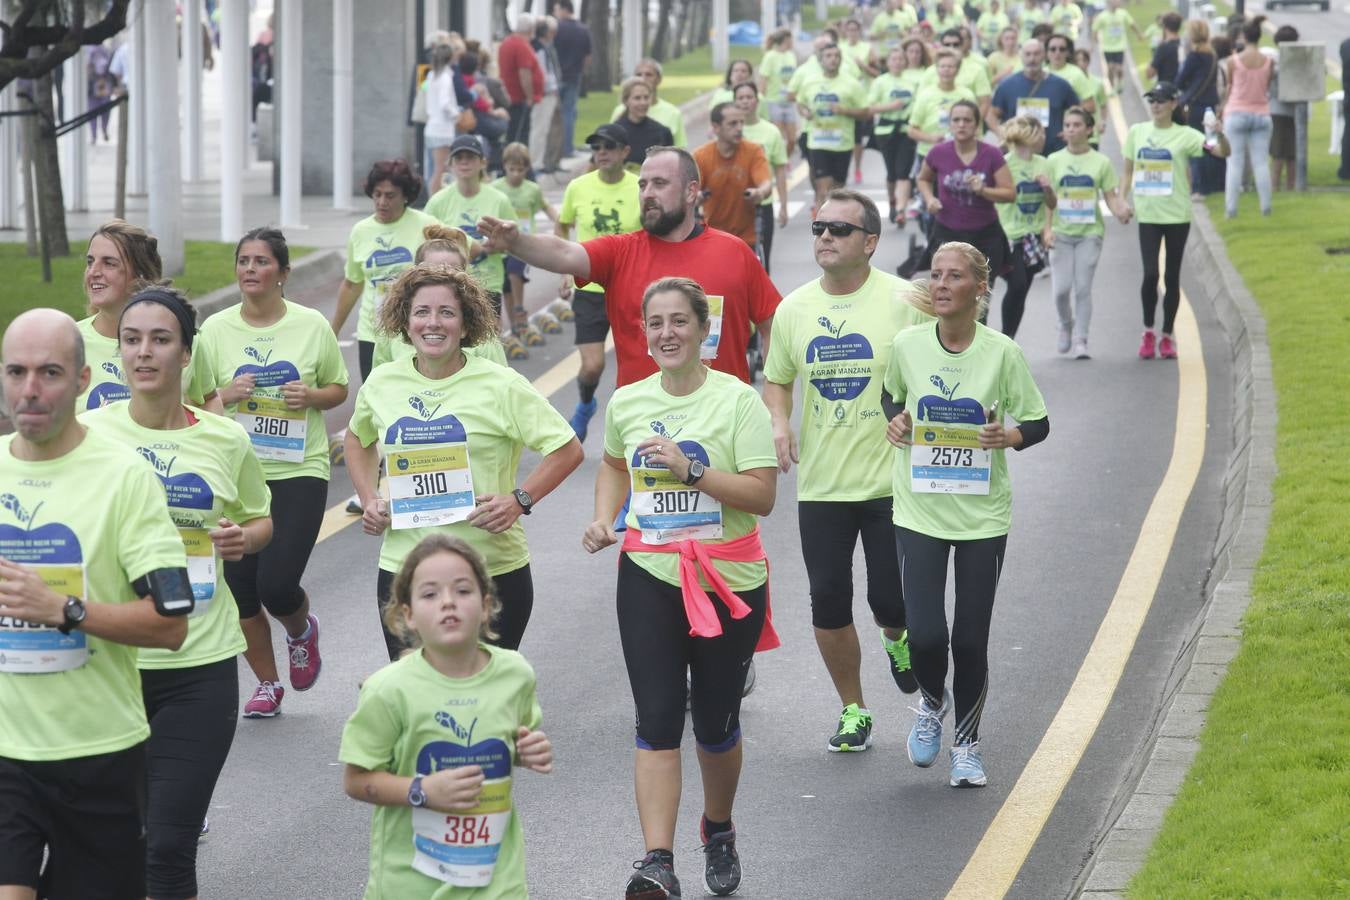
365	358
515	590
766	223
1019	285
923	573
658	651
1150	238
271	577
192	715
829	532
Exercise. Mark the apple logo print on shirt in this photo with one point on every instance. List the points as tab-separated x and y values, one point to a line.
425	428
108	391
54	550
838	372
186	490
267	374
948	408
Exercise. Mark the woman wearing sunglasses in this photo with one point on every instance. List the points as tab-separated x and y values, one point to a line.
960	181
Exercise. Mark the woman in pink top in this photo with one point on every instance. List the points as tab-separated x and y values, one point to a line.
1246	115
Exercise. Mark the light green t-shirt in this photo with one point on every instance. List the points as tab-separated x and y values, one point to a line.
208	471
973	75
1026	214
861	54
300	346
665	112
932	110
1028	19
727	95
93	521
887	88
767	135
377	253
831	132
598	208
411	720
479	419
450	207
946	21
989	26
1066	17
1111	28
388	349
840	345
998	62
777	67
1161	183
725	426
1076	78
106	384
943	388
810	70
1078	179
891	27
527	198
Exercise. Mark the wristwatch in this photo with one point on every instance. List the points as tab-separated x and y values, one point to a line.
525	500
74	611
696	470
416	796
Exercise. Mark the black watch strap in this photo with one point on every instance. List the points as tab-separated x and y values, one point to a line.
74	612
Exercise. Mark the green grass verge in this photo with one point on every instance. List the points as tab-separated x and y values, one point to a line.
1321	164
207	265
682	79
1263	811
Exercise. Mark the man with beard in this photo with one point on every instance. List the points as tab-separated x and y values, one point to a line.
671	242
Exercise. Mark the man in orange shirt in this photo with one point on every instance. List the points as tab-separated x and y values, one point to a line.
736	175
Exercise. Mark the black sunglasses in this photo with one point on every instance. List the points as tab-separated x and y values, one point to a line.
955	46
1056	49
837	229
605	145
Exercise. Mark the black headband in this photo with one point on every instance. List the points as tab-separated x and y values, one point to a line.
187	318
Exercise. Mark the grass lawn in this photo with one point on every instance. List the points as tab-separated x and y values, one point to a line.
682	80
209	265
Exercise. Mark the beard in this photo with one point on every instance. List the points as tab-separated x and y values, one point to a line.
664	222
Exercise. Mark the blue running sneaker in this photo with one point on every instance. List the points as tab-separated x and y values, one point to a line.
967	766
581	418
925	738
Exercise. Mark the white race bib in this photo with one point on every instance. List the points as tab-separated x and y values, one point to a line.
1078	205
429	485
201	567
1036	107
947	459
668	510
1153	177
827	138
276	431
462	848
708	350
31	649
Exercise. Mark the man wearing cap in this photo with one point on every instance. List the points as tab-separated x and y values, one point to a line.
603	201
86	577
466	200
672	242
1034	92
735	173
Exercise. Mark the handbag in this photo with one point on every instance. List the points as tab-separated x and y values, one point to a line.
419	107
466	121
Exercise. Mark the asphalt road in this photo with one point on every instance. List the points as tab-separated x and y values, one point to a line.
811	824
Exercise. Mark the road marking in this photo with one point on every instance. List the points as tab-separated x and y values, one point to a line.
1003	849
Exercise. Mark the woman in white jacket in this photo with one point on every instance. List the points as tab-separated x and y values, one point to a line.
442	110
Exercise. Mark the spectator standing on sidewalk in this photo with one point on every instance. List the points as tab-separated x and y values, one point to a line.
544	115
573	45
522	76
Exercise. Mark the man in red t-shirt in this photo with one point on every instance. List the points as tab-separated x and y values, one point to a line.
671	242
735	175
521	76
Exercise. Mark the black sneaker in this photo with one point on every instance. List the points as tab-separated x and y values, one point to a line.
654	879
721	865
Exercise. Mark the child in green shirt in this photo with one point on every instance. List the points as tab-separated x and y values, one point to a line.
528	200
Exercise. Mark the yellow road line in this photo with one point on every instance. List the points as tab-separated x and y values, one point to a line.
998	858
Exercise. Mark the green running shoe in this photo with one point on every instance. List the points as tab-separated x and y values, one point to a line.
898	651
855	731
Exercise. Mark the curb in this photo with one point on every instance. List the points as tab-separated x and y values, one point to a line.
309	272
1214	639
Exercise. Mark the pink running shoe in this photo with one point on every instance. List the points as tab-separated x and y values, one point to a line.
265	702
857	176
1146	346
1167	348
305	659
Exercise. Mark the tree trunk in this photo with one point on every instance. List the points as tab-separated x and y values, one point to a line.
661	40
51	205
601	74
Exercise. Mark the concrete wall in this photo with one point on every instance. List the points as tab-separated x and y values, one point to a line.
384	58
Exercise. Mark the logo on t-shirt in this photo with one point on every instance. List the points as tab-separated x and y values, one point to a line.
109	391
426	428
691	449
1030	195
50	544
605	222
186	490
835	375
388	253
948	407
267	374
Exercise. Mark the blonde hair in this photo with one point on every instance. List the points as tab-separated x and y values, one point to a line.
516	152
400	592
977	263
475	307
443	238
1021	131
1197	30
629	84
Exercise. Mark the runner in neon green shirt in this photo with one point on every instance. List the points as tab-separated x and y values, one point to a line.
527	198
776	69
891	25
1067	17
451	428
764	133
437	737
78	567
930	117
971	74
1025	219
694	448
278	368
892	99
219	501
834	333
990	25
830	103
465	201
663	111
955	380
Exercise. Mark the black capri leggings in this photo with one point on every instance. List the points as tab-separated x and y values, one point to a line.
515	590
271	577
658	650
1151	237
1018	278
765	223
829	532
192	715
897	149
365	358
923	567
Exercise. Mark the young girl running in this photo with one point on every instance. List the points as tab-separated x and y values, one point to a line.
1079	174
435	736
1025	220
